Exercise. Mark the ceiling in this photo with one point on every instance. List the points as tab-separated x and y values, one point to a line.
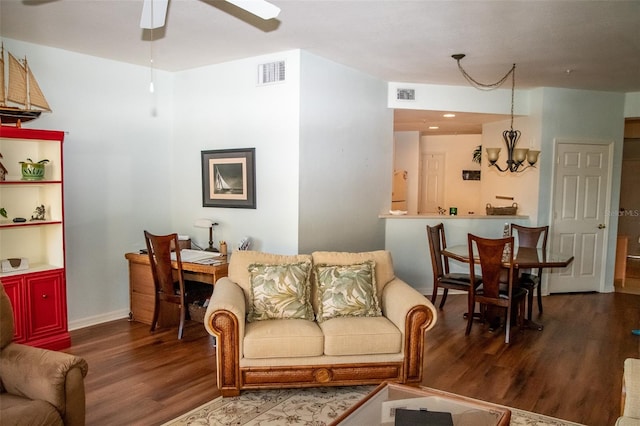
590	45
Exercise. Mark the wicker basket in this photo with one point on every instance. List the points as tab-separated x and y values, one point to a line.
196	312
502	211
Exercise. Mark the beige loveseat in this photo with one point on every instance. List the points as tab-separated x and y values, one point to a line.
344	348
37	386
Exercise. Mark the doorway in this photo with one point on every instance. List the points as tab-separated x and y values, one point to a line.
431	182
627	278
580	197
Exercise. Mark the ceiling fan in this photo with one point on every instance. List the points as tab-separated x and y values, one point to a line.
154	12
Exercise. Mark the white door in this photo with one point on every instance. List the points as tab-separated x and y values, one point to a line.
579	221
431	182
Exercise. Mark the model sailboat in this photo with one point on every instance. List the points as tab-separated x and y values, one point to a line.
20	96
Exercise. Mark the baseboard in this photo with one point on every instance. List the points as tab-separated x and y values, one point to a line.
98	319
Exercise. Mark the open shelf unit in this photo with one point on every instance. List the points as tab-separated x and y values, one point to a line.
37	293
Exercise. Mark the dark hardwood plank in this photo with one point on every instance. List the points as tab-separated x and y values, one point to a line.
139	378
572	369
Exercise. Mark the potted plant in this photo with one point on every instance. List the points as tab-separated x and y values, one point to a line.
477	154
32	170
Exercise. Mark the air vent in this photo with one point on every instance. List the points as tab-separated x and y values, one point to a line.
406	94
273	72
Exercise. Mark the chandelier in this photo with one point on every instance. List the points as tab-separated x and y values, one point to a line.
516	156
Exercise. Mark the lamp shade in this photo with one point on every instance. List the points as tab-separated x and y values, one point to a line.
493	154
203	223
519	154
532	157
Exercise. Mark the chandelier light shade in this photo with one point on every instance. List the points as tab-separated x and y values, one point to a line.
516	157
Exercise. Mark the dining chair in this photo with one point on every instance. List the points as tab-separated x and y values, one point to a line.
493	260
440	266
167	288
531	237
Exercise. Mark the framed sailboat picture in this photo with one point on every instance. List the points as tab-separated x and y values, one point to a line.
229	178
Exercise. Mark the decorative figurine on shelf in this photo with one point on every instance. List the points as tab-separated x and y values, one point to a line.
3	171
39	213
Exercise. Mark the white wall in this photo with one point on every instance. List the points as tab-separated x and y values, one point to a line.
117	162
458	150
632	105
346	154
222	107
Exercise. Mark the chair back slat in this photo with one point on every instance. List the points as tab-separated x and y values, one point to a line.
159	248
531	236
490	257
495	257
437	243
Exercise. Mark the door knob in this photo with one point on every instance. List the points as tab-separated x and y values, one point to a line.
602	226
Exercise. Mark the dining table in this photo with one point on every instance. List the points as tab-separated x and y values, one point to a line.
523	258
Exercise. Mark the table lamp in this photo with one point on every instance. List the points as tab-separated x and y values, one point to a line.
207	223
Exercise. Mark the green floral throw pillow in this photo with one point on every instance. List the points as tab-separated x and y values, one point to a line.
347	291
280	291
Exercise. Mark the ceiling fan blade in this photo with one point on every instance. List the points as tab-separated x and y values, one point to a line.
154	13
260	8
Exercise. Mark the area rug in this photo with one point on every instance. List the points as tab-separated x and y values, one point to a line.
308	407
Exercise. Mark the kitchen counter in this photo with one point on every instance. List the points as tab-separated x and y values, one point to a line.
447	217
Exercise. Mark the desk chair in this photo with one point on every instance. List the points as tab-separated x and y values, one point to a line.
440	265
493	290
167	289
530	237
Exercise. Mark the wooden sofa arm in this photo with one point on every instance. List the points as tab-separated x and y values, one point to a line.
41	374
227	296
225	319
413	314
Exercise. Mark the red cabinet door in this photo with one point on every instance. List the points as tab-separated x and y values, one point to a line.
46	304
13	288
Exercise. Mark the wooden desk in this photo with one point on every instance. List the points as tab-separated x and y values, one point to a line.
141	288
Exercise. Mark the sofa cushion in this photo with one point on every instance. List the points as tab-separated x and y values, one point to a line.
346	291
241	259
382	258
280	291
360	336
16	410
283	338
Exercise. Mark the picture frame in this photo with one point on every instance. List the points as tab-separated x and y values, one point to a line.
229	178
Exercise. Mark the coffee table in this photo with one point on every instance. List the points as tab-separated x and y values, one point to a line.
465	411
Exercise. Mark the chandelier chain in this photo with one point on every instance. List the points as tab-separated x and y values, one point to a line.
485	86
515	157
513	90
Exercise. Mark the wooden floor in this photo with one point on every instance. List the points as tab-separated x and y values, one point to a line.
572	369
